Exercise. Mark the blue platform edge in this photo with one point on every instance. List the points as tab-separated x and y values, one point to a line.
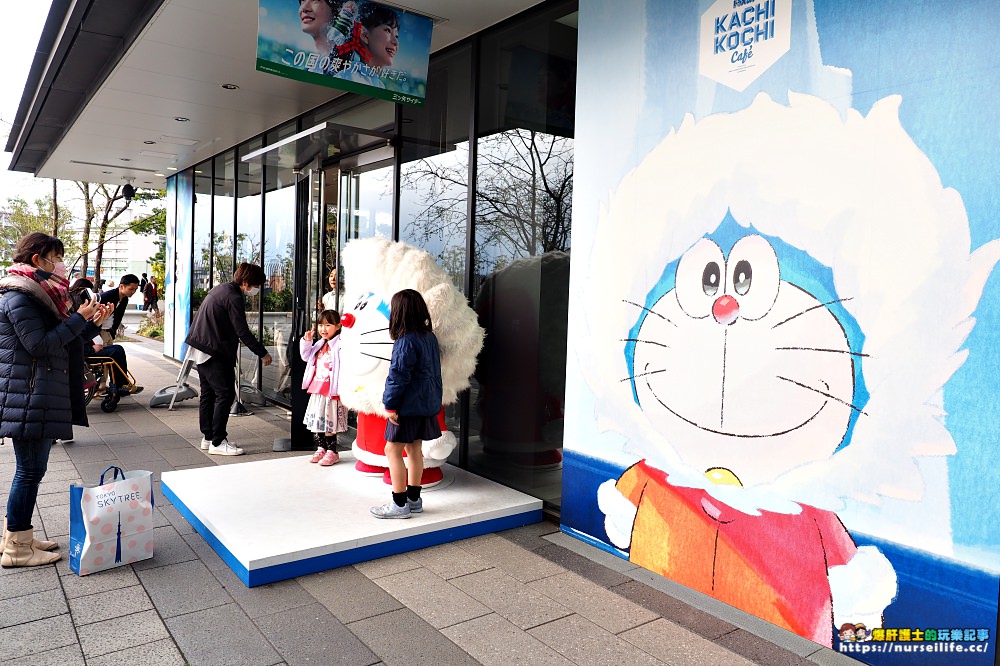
309	565
933	591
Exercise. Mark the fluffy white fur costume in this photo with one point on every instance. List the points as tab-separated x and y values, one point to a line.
374	270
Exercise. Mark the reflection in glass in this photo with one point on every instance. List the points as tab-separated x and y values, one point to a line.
520	265
248	246
433	211
434	192
201	269
223	217
278	264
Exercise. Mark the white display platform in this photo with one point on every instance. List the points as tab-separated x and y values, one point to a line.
277	519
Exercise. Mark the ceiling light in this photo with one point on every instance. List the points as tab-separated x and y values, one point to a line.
149	143
180	141
161	175
172	168
125	159
181	119
105	172
230	86
162	156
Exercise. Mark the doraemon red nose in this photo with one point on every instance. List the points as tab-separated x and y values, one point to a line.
347	320
725	310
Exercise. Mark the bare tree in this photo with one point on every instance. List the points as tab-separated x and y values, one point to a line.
103	204
524	193
89	213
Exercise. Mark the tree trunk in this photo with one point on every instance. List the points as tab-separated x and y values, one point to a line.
89	213
55	209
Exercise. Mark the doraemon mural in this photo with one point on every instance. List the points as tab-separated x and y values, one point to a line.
774	301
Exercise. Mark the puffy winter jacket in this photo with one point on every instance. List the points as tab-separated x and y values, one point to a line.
41	368
414	387
221	323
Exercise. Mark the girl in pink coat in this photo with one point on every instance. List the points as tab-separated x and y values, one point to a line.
325	414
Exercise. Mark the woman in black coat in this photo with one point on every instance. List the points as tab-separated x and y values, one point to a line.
41	380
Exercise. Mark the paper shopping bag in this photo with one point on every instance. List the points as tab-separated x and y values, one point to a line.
111	524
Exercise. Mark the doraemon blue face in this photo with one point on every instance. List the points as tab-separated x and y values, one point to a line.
744	360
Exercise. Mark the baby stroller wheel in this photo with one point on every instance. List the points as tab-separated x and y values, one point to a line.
110	403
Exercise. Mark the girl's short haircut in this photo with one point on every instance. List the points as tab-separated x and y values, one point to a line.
249	274
408	313
373	14
328	317
36	243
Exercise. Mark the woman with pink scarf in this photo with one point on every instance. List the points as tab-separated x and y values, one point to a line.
41	381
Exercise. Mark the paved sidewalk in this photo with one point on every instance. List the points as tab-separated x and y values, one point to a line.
526	596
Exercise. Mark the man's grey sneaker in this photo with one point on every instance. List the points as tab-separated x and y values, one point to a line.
415	506
390	510
64	441
225	449
205	443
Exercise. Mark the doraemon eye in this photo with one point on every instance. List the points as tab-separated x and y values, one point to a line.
700	277
754	274
711	278
742	275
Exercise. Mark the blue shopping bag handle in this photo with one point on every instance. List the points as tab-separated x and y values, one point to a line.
118	470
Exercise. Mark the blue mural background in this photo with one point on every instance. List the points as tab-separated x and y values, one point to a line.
645	57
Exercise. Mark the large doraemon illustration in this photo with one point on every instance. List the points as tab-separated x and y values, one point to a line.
374	270
773	353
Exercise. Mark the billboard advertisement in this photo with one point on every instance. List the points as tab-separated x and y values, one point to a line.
353	45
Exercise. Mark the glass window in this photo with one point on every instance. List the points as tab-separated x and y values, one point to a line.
434	173
249	184
278	262
201	269
223	217
520	271
366	201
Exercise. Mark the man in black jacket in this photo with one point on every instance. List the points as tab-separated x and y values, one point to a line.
118	297
221	322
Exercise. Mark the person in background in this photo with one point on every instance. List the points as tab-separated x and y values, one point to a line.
413	393
41	381
118	297
150	299
94	346
329	300
221	323
143	281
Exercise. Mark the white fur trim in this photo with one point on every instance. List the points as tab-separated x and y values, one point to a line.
862	588
440	448
619	514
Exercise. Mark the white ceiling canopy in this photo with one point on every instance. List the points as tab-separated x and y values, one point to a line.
187	88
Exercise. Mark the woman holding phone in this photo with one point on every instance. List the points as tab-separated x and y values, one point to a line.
41	381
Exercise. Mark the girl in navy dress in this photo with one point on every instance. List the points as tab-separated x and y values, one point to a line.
412	397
